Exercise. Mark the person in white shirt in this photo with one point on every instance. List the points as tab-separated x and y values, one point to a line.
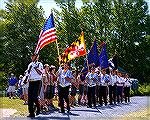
65	80
34	76
112	87
25	89
20	84
127	86
120	83
91	78
103	81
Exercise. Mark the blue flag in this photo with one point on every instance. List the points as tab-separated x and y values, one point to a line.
103	59
93	55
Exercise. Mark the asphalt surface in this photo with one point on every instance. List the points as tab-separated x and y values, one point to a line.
105	112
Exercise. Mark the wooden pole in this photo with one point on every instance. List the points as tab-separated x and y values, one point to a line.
57	50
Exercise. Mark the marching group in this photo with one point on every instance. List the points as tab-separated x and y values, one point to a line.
95	88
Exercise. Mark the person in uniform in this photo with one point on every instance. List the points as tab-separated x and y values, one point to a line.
97	70
34	76
127	86
112	87
91	78
64	85
104	79
120	83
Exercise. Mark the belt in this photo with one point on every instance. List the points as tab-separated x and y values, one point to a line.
127	86
33	80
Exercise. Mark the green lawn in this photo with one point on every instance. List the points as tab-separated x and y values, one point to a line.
17	104
22	110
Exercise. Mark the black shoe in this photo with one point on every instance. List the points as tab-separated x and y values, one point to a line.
62	111
68	110
31	115
37	113
89	106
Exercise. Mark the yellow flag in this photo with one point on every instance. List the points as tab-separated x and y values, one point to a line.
76	49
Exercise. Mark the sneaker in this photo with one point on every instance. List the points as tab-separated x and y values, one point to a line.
46	108
25	103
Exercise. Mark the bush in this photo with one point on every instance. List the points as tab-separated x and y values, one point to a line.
148	90
143	90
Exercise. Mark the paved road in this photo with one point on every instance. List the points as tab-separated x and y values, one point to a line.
104	112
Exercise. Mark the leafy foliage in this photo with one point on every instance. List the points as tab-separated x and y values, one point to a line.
123	25
22	21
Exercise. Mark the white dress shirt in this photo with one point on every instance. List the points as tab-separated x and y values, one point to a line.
89	76
62	80
120	81
127	82
104	79
113	80
33	75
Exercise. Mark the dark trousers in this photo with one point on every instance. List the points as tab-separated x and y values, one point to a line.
119	94
63	94
103	94
112	94
33	93
91	96
97	93
127	94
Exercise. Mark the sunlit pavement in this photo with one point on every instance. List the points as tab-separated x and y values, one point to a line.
105	112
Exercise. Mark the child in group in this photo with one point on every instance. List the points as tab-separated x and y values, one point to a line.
81	80
92	79
103	81
20	84
73	89
53	79
25	89
120	82
127	86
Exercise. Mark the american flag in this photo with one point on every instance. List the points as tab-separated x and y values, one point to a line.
47	35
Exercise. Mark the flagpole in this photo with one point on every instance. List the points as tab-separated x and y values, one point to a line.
87	60
57	50
56	43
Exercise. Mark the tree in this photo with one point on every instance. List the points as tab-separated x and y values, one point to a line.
23	21
130	29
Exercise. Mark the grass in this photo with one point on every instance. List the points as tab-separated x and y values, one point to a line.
17	104
22	110
139	115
